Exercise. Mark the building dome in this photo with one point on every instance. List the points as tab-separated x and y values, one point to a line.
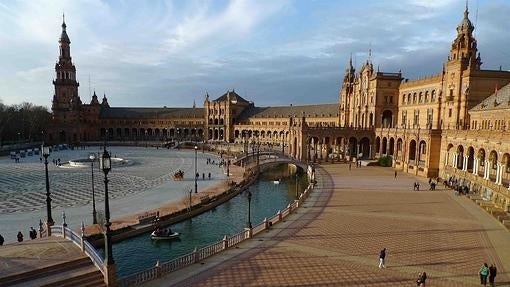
465	24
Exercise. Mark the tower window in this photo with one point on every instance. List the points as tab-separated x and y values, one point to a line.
450	113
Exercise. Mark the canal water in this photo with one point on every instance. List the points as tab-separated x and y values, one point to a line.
140	252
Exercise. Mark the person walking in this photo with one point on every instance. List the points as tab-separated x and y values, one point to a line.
32	233
395	174
493	271
20	236
382	257
1	240
422	279
484	272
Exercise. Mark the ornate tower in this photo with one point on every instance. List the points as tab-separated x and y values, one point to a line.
346	94
464	50
66	104
66	86
463	60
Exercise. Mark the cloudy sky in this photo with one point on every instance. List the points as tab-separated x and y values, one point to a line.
274	52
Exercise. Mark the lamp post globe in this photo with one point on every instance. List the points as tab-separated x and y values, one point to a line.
46	152
196	174
92	157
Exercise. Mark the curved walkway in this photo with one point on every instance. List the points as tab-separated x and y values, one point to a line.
335	238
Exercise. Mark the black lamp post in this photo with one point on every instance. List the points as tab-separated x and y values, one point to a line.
92	157
196	174
46	152
297	189
106	165
249	209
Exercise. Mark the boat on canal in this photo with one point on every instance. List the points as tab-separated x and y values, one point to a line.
164	234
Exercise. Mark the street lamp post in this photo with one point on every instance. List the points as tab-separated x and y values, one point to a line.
49	221
249	209
190	191
92	157
258	154
297	189
105	165
196	175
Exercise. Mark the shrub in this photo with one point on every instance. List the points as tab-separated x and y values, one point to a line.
385	161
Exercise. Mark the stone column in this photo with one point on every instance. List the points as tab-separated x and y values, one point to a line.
455	157
446	158
499	173
465	163
486	170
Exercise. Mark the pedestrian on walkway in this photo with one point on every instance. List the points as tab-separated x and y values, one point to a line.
422	277
20	236
395	174
350	166
484	272
1	240
493	271
382	257
32	233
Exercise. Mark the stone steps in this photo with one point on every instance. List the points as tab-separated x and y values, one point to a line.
498	213
76	273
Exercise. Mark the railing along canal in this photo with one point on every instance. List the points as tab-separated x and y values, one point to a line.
200	254
85	246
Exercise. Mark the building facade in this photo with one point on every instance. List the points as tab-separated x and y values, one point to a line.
439	126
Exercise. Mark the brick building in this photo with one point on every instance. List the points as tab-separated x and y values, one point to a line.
436	126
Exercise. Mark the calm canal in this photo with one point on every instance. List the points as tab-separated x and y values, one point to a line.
139	253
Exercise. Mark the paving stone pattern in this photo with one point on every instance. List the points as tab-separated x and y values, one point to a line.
22	185
336	242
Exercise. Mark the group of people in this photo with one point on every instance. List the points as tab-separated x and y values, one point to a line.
56	162
203	175
488	272
485	272
32	233
422	277
416	185
165	232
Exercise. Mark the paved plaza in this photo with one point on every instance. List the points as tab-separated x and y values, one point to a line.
335	239
143	183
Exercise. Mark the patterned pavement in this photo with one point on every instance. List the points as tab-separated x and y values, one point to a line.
23	184
336	238
144	183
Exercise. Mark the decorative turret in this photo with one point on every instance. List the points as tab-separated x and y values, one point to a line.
349	72
104	103
94	100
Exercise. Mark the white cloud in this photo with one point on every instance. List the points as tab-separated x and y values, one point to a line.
204	27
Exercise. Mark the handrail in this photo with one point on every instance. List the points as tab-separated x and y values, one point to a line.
88	249
94	256
207	251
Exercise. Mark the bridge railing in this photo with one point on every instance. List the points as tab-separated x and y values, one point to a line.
200	254
84	245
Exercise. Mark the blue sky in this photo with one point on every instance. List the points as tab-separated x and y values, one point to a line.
273	52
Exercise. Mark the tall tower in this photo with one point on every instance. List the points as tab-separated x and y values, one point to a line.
66	87
66	104
463	60
346	94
